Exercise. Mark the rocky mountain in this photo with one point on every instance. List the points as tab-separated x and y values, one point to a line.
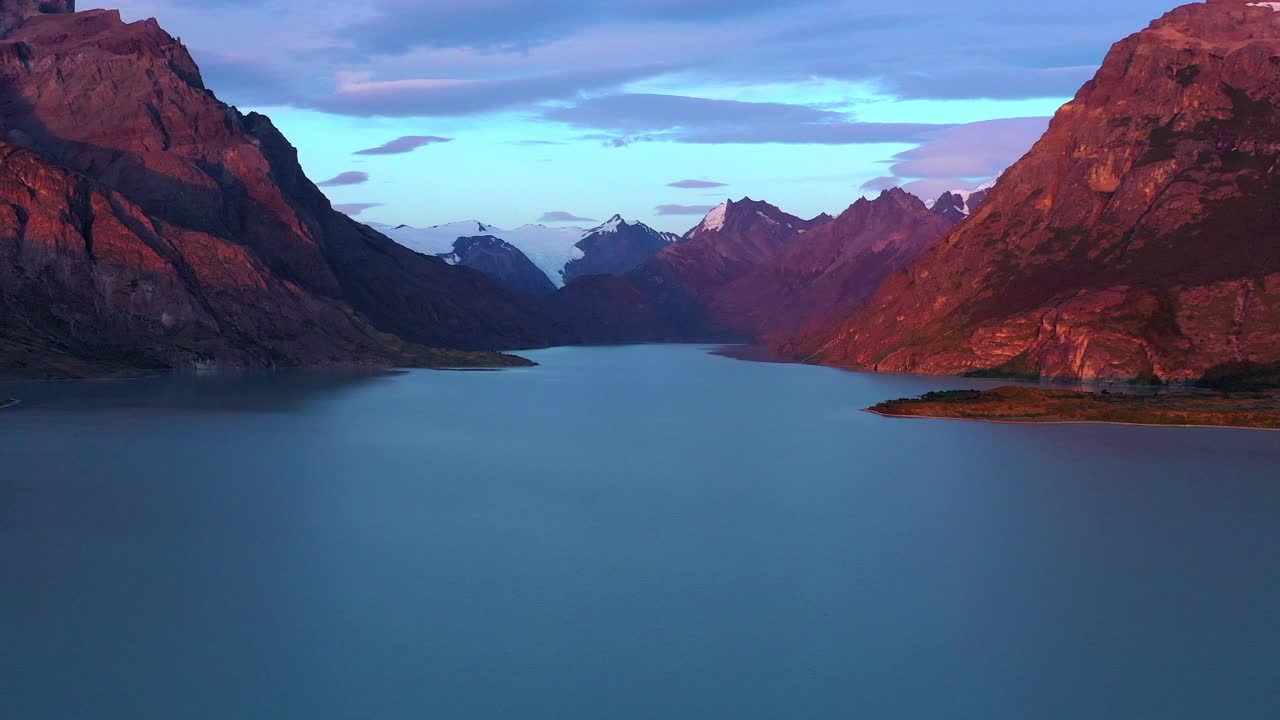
604	309
1140	238
549	248
501	261
731	241
957	205
832	269
148	225
616	247
676	287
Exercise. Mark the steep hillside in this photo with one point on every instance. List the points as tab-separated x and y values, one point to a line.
1140	238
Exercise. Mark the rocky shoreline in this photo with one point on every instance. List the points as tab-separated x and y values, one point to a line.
1259	410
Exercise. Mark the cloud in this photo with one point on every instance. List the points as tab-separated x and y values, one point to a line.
355	208
346	178
246	81
555	216
696	184
1000	83
684	209
976	150
990	49
359	94
882	183
404	24
406	144
678	118
961	157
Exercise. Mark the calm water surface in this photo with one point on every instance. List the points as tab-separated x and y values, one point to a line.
646	532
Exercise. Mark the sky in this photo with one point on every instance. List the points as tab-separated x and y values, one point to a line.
569	111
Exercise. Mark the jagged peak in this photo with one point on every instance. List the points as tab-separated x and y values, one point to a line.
608	226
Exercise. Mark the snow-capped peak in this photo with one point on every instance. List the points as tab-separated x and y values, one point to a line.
609	226
715	219
964	195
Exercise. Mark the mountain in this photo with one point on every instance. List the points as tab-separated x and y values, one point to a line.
731	241
1140	237
148	225
501	261
615	247
957	205
832	269
606	309
562	253
551	249
668	296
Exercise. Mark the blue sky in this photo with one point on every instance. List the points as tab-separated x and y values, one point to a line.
509	111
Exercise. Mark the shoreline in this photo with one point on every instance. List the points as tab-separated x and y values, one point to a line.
13	402
997	421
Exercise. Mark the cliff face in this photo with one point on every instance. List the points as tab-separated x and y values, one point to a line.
1140	237
148	224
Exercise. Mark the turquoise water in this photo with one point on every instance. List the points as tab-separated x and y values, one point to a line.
643	532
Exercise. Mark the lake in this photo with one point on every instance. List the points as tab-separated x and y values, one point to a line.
639	532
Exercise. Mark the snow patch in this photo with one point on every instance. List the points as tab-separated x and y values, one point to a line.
611	226
715	219
1275	6
768	219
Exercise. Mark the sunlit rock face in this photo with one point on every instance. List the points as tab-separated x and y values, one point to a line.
144	223
13	12
1139	238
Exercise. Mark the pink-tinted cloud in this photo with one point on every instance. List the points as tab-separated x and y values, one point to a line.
696	184
402	145
355	208
558	216
684	209
347	178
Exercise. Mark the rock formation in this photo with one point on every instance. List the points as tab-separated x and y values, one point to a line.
1140	238
146	224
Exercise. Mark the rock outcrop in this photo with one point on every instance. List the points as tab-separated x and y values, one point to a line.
1140	238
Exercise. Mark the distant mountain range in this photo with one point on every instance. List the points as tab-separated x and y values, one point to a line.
561	253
